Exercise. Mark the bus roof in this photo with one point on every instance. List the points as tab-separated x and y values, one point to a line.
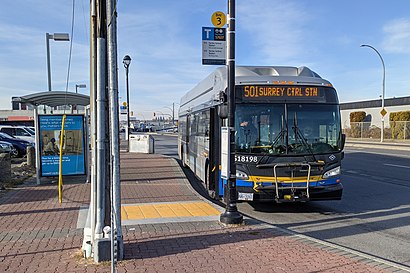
207	92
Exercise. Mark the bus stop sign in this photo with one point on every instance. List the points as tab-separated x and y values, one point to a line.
218	19
213	46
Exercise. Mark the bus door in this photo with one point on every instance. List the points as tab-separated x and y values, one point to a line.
185	140
192	141
214	152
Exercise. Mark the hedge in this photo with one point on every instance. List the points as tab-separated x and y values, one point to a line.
400	125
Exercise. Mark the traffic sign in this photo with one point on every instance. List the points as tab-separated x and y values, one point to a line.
383	112
213	46
218	19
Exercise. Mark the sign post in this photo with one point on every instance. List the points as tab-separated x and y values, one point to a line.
231	214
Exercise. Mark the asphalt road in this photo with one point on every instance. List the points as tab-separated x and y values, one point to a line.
166	145
373	216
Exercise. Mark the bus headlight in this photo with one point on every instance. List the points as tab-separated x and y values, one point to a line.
241	175
332	172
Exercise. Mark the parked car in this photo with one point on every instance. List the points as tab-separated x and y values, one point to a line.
18	132
6	147
30	129
19	144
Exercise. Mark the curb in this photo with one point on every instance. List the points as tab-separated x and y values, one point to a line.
389	146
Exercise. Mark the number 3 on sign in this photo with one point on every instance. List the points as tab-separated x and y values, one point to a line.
218	19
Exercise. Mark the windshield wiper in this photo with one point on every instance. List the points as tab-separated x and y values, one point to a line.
298	134
281	136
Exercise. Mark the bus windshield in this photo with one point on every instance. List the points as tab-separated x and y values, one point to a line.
288	129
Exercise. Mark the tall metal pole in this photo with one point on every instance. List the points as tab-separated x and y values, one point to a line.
48	61
101	101
231	214
101	126
55	37
93	116
93	119
173	113
116	231
383	89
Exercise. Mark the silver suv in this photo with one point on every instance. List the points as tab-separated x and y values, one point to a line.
18	132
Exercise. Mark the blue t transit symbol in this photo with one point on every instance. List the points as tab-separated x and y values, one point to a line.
208	33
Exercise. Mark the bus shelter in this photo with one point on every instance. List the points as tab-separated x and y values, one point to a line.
48	132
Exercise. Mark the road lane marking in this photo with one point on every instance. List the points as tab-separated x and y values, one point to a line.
398	166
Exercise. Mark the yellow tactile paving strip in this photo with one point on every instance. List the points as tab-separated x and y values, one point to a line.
167	210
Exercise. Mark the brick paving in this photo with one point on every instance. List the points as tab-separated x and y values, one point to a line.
38	234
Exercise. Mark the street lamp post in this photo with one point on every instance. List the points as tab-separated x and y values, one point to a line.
79	86
127	61
55	37
172	111
383	111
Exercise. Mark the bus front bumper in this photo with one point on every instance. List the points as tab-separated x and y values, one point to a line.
317	193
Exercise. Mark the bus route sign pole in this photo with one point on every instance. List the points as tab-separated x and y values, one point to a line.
231	214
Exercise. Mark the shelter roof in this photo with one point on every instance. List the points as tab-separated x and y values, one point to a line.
54	98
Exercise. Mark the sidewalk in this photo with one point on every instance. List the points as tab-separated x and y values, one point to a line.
167	227
376	144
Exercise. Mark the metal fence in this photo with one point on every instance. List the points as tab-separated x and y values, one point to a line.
393	130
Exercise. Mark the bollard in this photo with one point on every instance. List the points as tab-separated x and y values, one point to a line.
87	250
5	169
31	156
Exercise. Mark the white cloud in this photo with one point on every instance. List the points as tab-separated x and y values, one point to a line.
397	36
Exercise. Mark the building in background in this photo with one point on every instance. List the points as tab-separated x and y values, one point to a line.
372	109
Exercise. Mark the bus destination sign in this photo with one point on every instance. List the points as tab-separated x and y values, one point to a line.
280	92
252	91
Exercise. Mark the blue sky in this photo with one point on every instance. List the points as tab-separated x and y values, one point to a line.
163	38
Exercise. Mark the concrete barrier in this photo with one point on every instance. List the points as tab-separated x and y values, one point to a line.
141	144
31	156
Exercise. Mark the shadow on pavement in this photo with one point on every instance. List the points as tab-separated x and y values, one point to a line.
186	242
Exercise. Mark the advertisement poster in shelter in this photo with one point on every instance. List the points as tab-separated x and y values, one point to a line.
73	158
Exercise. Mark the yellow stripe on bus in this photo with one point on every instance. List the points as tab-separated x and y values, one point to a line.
284	179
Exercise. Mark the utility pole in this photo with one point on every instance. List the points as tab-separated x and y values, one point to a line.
231	214
116	230
93	120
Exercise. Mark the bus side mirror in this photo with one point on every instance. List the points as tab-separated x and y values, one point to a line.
223	111
343	141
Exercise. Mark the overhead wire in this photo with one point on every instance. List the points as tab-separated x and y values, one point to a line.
85	20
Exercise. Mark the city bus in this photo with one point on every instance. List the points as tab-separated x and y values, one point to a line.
288	138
